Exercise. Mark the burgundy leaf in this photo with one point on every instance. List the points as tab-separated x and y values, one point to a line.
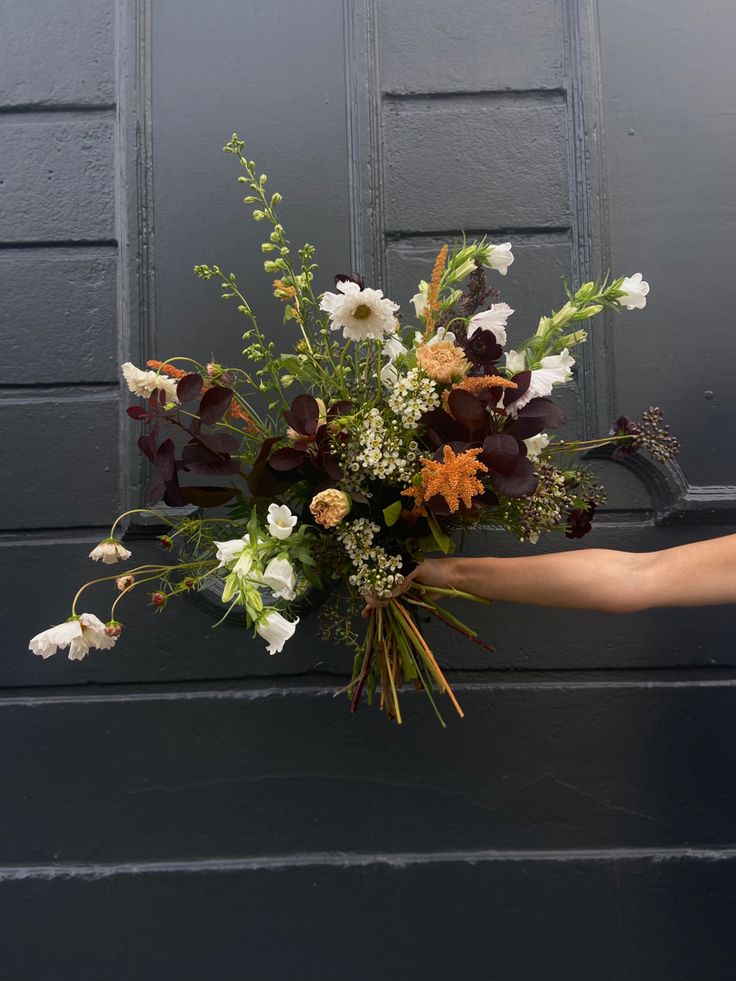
137	412
522	381
287	458
331	467
173	496
303	416
199	459
263	482
500	453
341	408
219	442
147	446
215	403
207	497
165	459
467	409
521	483
189	388
437	505
156	488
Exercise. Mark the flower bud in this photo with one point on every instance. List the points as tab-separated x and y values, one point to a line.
166	541
113	628
124	582
158	599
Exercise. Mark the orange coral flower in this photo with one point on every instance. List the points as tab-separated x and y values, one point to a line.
236	411
166	369
455	478
478	384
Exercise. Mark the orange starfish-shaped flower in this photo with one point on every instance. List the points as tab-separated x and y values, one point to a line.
455	478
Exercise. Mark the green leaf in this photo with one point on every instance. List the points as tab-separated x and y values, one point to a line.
392	513
443	540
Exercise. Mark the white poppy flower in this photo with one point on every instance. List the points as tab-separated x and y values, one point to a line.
109	551
634	292
275	630
500	257
145	383
280	519
535	445
228	551
78	635
280	578
362	314
515	362
493	320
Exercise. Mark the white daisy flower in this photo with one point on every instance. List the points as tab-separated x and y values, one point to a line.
109	551
362	314
79	635
145	383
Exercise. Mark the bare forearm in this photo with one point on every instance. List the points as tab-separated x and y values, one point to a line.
698	574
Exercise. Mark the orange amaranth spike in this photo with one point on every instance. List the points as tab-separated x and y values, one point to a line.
434	288
166	369
455	478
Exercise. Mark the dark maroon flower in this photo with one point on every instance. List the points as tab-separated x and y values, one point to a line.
482	348
580	522
625	427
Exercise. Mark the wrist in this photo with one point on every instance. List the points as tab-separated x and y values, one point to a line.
438	572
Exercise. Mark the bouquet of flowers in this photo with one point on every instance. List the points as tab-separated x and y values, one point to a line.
339	464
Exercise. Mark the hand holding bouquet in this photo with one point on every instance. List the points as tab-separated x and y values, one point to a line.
376	440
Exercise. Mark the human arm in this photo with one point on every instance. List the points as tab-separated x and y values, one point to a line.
698	574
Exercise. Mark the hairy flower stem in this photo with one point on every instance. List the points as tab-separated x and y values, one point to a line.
137	571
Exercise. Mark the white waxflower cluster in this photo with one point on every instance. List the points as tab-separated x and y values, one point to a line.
376	570
379	450
412	395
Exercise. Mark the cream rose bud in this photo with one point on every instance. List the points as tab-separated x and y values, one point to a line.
280	578
330	506
634	292
493	320
280	521
109	551
275	630
500	257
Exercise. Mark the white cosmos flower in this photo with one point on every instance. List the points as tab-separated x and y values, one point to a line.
493	320
109	551
555	370
78	635
275	630
362	314
634	295
535	445
515	362
280	578
500	257
280	519
145	383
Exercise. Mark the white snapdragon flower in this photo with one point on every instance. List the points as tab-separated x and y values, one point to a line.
554	370
145	383
109	551
535	445
280	578
275	630
515	362
500	257
79	635
362	314
280	520
634	292
493	319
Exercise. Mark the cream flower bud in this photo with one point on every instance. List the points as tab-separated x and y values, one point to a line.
330	506
109	551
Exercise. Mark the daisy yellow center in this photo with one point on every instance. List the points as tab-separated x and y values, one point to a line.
361	312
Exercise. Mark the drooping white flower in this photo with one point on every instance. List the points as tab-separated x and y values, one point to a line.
562	360
515	362
543	380
79	635
228	551
500	257
280	519
493	320
362	314
280	578
441	334
535	445
275	630
420	303
145	383
392	348
109	551
634	295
